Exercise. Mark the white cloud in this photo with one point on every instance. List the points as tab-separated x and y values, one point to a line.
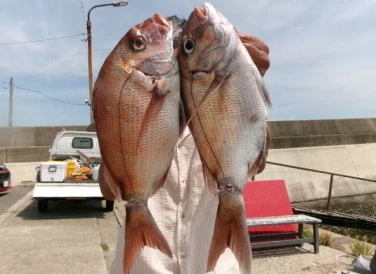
322	60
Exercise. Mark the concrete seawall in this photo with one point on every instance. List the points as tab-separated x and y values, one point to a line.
24	144
353	160
345	146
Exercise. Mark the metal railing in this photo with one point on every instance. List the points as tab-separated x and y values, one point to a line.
332	174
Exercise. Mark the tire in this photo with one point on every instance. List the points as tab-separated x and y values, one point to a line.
109	205
42	205
38	176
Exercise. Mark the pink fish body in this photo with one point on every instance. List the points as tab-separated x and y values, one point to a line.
136	111
224	97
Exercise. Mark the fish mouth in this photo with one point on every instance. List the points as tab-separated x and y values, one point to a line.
202	14
159	19
158	68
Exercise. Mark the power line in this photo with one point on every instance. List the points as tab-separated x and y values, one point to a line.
41	40
83	12
50	97
43	94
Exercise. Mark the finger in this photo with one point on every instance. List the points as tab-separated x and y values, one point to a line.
249	39
259	57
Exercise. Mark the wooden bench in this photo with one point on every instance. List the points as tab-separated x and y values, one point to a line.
284	239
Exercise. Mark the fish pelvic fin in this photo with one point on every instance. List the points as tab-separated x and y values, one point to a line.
259	165
230	230
262	88
209	180
108	185
160	183
141	230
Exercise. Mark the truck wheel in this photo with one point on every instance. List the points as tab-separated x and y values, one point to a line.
109	205
38	176
42	205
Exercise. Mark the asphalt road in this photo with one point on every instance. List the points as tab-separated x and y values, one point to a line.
10	197
72	237
80	237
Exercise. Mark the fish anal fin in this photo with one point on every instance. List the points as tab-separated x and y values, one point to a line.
230	231
141	230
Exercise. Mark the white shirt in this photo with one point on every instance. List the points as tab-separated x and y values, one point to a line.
185	212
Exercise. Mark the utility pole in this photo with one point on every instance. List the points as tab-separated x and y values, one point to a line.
11	102
89	55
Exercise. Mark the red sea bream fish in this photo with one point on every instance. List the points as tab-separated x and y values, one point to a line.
224	96
136	112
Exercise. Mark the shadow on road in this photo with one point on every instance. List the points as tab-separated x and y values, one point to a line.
279	252
3	193
65	209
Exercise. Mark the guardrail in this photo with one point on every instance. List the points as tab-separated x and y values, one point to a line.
332	174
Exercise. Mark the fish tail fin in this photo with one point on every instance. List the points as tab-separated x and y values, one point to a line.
141	230
231	231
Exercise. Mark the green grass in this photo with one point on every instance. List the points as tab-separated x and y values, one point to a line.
105	247
307	233
360	247
324	238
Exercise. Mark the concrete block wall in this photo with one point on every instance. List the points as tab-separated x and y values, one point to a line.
31	136
291	134
28	144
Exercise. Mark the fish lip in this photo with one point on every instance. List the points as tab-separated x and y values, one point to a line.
202	14
159	18
171	71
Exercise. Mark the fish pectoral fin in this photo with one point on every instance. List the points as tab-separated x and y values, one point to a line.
126	66
182	119
141	231
230	231
161	88
216	83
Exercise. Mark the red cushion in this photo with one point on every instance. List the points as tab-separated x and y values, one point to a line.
265	199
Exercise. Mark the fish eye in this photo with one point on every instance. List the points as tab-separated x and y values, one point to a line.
139	43
188	45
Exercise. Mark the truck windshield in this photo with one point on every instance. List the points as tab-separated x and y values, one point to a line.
82	143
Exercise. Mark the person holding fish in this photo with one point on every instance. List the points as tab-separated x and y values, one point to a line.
162	173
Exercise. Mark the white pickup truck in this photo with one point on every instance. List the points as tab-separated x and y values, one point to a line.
72	170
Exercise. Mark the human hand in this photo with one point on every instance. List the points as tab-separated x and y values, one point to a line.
258	50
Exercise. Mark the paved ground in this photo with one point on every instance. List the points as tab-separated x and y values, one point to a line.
80	237
71	238
8	198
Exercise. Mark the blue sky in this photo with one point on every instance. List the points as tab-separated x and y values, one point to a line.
323	54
